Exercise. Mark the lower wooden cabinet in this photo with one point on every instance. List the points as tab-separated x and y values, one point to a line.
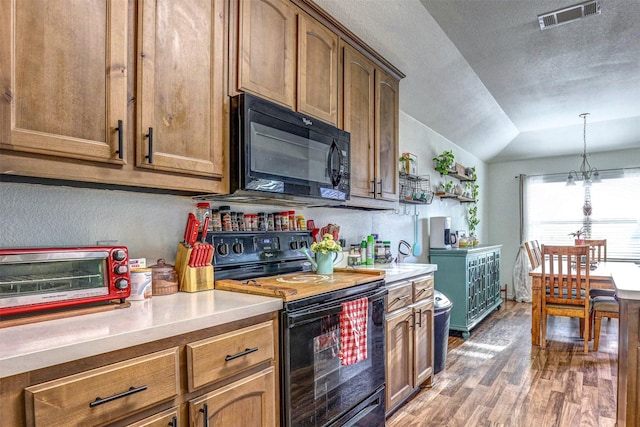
409	329
225	374
247	402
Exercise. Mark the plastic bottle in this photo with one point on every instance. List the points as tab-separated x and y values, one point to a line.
370	249
203	210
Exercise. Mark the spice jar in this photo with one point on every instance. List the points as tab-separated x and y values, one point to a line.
284	220
225	216
164	278
292	220
302	224
262	221
203	210
216	223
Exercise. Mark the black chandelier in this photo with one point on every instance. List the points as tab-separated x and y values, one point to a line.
587	173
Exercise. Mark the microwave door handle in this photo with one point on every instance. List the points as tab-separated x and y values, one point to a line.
334	174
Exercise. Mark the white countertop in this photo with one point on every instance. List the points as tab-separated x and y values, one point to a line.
626	279
396	272
28	347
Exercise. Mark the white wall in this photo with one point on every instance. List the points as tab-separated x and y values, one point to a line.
502	189
150	225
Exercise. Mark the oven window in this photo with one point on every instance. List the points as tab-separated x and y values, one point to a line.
38	282
322	389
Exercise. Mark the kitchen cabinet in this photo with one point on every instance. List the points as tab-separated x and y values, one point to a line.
370	113
317	70
67	84
409	339
263	50
234	365
128	94
264	60
470	278
180	126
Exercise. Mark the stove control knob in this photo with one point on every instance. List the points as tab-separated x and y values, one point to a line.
122	283
223	249
293	245
119	255
121	269
304	244
237	248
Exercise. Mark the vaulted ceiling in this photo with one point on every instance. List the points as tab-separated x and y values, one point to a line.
485	76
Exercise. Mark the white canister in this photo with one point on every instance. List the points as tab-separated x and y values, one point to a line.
140	284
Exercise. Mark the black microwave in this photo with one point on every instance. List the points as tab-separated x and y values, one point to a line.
279	152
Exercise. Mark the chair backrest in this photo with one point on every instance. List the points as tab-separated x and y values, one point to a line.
598	249
533	250
565	274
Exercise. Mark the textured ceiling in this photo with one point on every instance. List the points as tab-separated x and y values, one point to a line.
482	73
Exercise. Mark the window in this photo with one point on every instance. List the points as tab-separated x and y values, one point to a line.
555	210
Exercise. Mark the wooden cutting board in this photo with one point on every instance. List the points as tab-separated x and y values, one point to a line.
294	286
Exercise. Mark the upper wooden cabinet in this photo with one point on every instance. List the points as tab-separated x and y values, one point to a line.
263	60
370	100
65	90
117	92
180	86
317	70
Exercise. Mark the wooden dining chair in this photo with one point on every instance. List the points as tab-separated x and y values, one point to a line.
602	306
533	250
567	287
599	253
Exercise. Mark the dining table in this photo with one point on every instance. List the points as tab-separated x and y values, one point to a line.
624	277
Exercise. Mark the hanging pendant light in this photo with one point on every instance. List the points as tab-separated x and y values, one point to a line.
587	174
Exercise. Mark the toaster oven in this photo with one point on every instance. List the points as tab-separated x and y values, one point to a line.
34	279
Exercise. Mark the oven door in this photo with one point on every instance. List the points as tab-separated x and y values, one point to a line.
317	389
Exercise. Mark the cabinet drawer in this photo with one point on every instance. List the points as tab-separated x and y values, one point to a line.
399	296
104	394
168	418
423	288
220	357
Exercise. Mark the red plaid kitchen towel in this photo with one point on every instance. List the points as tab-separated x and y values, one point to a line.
353	331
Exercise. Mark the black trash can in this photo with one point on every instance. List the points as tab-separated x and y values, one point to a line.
442	313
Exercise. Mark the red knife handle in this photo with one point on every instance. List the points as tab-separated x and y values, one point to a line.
188	230
192	258
205	229
194	232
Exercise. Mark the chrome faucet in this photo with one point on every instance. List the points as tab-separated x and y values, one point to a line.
404	250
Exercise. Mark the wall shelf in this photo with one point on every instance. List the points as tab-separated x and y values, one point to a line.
415	189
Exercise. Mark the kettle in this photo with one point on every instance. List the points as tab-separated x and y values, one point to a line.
323	264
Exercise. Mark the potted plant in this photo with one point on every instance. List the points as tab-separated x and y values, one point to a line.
444	162
577	235
472	219
326	252
406	160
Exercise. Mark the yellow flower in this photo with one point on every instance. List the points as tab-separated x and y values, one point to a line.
326	245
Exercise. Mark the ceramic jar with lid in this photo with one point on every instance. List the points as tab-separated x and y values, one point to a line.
164	278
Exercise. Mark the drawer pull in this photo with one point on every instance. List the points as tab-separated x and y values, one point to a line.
174	422
120	151
419	322
205	414
150	155
398	299
132	390
421	291
243	353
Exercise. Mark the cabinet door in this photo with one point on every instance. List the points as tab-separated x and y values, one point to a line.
180	86
317	70
423	341
249	402
358	118
399	356
67	79
386	136
266	48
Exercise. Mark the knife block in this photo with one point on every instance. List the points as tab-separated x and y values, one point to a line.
192	279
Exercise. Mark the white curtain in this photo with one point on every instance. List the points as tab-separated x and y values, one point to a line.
521	278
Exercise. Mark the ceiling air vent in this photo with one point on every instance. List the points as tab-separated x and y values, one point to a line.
568	14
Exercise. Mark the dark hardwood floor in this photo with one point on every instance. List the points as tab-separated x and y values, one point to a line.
496	378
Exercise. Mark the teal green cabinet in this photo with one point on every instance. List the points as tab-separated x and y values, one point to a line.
470	278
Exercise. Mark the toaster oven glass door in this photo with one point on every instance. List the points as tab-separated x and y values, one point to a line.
40	280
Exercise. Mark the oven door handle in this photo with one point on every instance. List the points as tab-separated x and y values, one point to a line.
310	314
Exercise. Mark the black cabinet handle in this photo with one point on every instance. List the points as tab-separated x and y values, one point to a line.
120	151
243	353
205	414
174	422
150	137
419	323
132	390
